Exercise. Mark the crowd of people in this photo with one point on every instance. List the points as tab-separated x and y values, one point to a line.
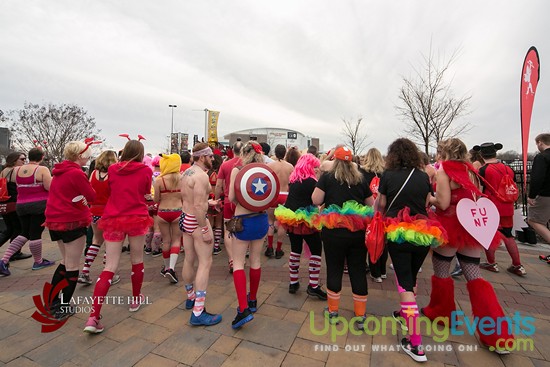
169	203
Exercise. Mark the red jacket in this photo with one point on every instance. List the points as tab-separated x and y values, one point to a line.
129	183
69	181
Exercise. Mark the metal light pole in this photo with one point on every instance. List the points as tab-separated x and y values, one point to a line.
206	125
172	106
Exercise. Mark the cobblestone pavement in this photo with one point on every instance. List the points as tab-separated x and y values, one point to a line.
283	332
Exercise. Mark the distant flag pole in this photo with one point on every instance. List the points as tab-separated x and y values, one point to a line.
530	74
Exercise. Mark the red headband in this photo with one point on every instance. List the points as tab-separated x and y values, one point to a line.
140	137
88	142
257	148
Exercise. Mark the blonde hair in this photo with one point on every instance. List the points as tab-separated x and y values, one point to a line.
249	155
373	161
346	172
452	150
104	160
73	149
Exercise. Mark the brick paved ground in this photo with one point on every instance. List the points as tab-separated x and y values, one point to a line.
280	334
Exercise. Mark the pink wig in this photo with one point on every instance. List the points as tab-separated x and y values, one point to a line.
305	168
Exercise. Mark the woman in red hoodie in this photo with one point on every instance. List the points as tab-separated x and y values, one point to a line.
125	215
68	217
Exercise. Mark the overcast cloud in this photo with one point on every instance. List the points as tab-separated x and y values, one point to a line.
293	64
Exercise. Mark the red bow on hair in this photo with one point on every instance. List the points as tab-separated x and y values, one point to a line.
89	142
257	148
36	145
140	137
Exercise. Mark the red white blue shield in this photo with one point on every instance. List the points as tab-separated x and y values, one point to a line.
256	187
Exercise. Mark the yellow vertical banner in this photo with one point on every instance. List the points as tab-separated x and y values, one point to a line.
213	127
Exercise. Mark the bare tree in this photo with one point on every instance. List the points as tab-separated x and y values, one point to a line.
50	126
428	104
354	136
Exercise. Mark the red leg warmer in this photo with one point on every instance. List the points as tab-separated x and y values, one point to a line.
442	299
485	305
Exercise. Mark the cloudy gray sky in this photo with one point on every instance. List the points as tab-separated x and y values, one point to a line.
299	64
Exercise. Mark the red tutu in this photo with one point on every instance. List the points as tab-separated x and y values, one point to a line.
126	224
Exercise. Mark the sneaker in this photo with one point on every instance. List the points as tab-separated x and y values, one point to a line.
384	276
43	264
518	270
126	248
156	253
376	279
544	258
317	292
416	353
135	306
242	318
115	280
163	271
189	303
420	270
4	269
361	322
171	275
293	287
93	326
64	312
19	256
457	271
84	278
252	304
333	317
205	318
217	250
148	250
346	269
279	254
401	320
269	252
391	267
490	267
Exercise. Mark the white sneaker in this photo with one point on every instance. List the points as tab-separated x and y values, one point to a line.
376	279
115	280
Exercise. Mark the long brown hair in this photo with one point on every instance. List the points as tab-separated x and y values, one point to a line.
133	151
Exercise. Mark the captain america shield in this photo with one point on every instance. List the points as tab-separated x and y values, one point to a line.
257	187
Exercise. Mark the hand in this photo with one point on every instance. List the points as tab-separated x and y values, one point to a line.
148	197
207	236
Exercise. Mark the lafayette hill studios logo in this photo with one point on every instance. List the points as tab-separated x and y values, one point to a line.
44	314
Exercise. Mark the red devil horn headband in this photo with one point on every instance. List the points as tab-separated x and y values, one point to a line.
89	142
140	137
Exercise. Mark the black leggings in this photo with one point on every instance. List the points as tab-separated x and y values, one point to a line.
339	250
31	225
313	241
379	267
407	260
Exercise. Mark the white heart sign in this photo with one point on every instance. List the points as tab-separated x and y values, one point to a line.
479	218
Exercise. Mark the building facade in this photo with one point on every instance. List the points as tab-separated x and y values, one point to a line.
274	136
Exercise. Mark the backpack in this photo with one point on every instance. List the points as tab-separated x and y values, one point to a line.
373	186
507	190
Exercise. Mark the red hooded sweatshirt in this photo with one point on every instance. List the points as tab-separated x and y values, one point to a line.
69	181
129	183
